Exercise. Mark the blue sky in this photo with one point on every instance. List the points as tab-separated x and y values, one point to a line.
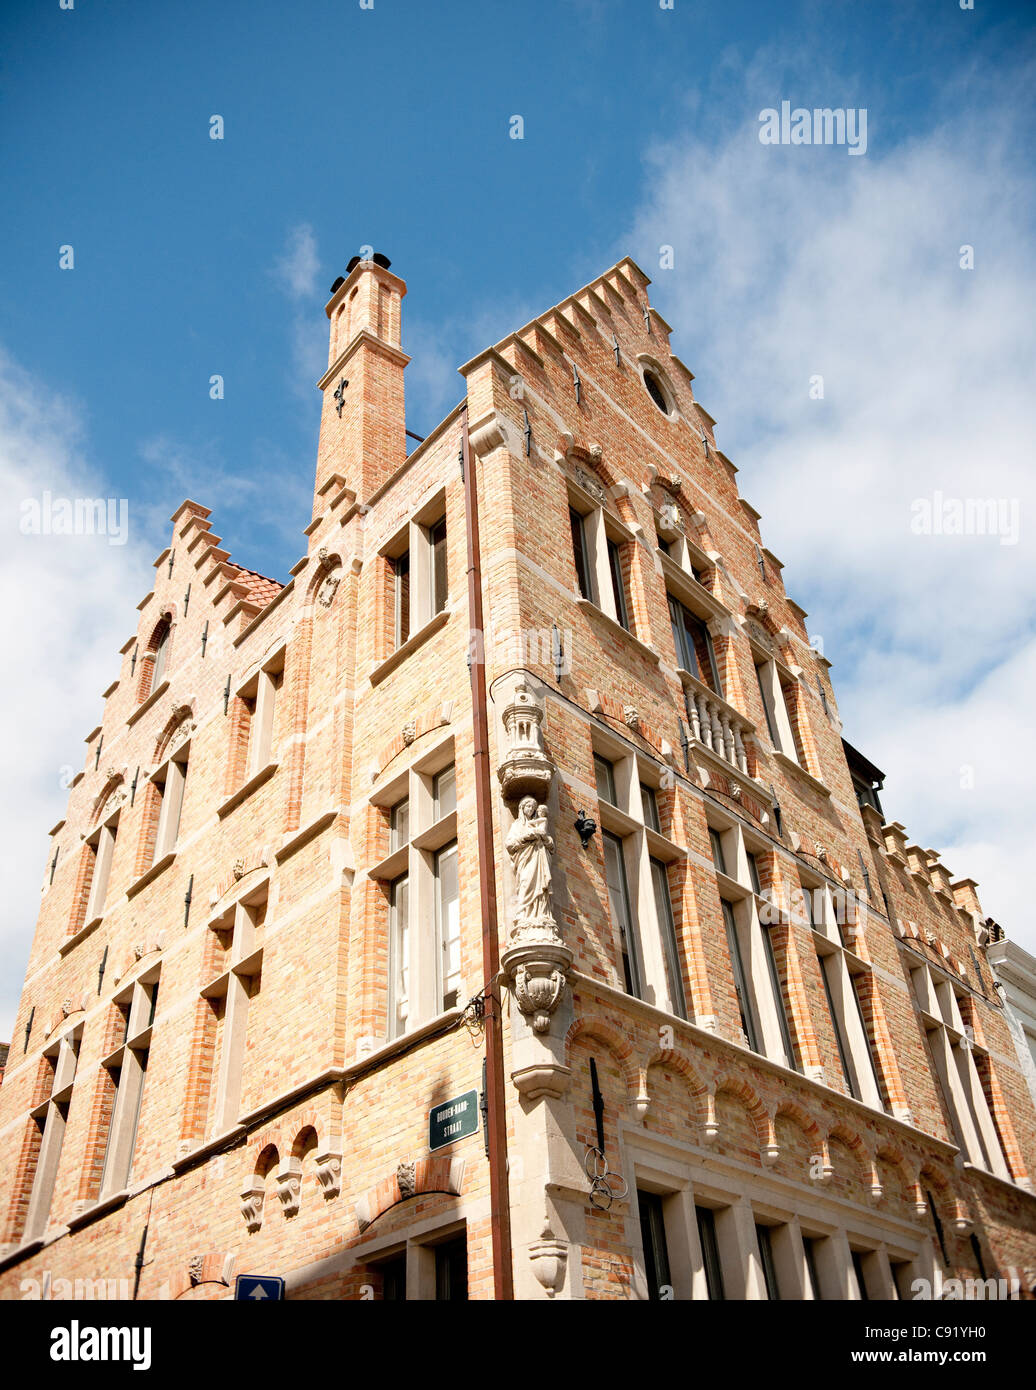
389	127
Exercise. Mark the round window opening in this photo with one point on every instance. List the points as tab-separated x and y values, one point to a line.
654	389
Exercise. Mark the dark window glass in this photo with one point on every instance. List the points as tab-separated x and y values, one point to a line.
809	1247
710	1252
153	1005
655	391
649	805
437	538
604	774
619	898
860	1280
401	568
770	724
667	929
451	1271
854	981
444	792
766	1259
618	587
778	997
664	546
579	552
740	980
694	650
826	963
753	873
652	1234
717	850
393	1280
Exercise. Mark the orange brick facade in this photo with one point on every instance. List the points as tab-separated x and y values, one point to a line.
208	1063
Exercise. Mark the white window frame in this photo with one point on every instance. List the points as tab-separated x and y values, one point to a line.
245	921
102	844
652	955
130	1058
759	967
599	527
415	539
961	1086
52	1115
414	857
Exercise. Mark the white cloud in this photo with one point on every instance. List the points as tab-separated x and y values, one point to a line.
69	606
298	266
794	261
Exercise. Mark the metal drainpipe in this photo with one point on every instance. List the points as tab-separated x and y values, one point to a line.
499	1196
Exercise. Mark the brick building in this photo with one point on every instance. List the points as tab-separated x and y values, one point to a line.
525	802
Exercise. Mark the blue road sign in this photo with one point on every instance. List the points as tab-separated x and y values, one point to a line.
258	1288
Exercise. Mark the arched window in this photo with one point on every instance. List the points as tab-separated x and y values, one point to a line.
160	646
655	390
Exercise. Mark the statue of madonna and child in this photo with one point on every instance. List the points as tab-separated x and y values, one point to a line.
530	846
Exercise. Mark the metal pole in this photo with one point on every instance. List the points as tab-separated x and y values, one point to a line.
499	1196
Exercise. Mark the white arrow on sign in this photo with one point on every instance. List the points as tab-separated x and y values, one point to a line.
258	1292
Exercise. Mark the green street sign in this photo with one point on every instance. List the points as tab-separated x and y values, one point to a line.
454	1119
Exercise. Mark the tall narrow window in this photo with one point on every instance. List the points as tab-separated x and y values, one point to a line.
652	1235
604	774
861	1279
393	1279
102	844
401	570
440	586
399	824
649	806
667	928
744	1002
694	650
451	1271
161	651
50	1119
619	898
618	583
826	963
581	554
127	1067
716	845
444	792
809	1249
767	1261
447	918
766	695
778	996
170	781
399	956
238	955
710	1252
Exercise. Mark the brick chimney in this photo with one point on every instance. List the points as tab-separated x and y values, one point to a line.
363	422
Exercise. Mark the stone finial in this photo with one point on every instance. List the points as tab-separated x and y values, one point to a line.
525	768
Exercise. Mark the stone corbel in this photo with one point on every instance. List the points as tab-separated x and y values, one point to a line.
329	1173
710	1129
252	1199
289	1185
488	436
548	1257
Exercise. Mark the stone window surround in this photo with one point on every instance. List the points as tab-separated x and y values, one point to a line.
600	525
174	765
960	1086
414	537
849	1023
262	686
130	1059
242	964
737	889
52	1113
415	859
101	842
419	1245
739	1201
640	845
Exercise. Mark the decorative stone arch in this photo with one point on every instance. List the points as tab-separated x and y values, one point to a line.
613	1040
175	729
443	1173
670	1057
327	575
746	1096
264	1152
114	784
891	1154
